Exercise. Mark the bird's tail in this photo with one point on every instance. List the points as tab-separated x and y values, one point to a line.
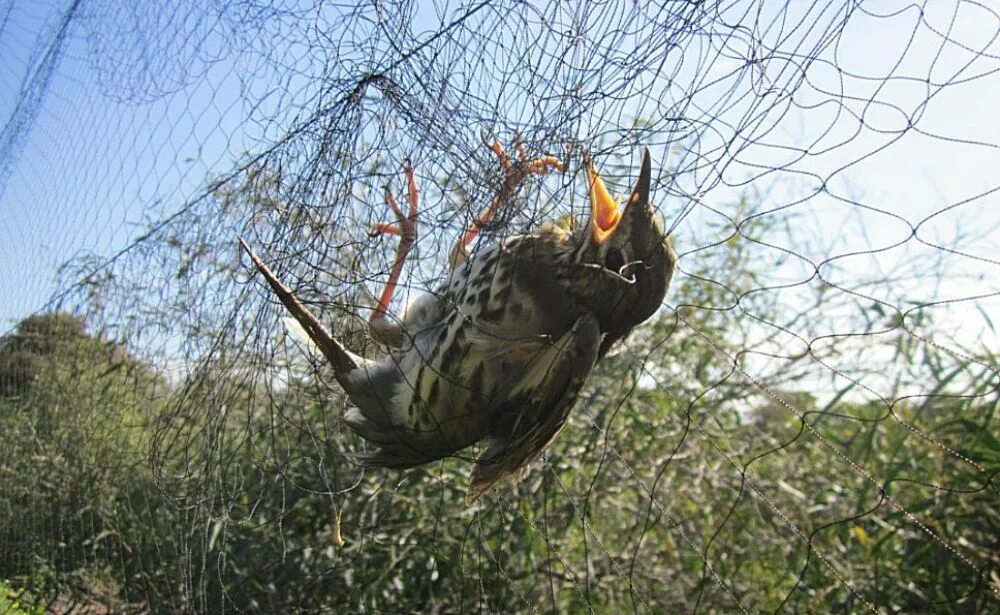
342	359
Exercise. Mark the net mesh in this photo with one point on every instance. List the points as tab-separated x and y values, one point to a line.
809	422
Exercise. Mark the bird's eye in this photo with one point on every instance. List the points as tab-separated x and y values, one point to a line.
614	260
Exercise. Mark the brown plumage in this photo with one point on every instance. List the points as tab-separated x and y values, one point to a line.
499	353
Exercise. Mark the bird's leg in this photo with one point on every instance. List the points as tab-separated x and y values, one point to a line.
515	174
379	323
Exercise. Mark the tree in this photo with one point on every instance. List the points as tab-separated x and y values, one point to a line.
73	417
36	339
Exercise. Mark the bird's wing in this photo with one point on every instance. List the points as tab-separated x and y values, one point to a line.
538	405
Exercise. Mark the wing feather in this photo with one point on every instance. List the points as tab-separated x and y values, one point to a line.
538	406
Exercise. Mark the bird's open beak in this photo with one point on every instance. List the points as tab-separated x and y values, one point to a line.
605	215
604	212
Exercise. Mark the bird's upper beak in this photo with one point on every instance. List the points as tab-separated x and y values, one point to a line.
605	215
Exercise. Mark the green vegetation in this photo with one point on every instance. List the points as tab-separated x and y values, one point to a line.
676	487
17	603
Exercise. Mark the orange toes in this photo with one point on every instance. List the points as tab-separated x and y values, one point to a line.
382	228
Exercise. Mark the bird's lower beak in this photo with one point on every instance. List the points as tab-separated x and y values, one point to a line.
604	212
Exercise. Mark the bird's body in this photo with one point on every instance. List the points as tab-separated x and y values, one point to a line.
475	352
464	346
499	353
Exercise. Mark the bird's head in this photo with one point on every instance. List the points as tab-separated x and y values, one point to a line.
629	257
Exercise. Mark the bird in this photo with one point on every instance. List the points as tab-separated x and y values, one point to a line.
499	353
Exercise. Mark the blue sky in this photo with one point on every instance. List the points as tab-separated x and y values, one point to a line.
98	161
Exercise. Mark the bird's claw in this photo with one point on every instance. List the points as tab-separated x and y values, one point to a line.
514	176
406	229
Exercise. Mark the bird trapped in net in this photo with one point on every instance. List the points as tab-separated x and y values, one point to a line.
499	353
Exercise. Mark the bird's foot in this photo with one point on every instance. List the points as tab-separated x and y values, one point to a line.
405	227
515	174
